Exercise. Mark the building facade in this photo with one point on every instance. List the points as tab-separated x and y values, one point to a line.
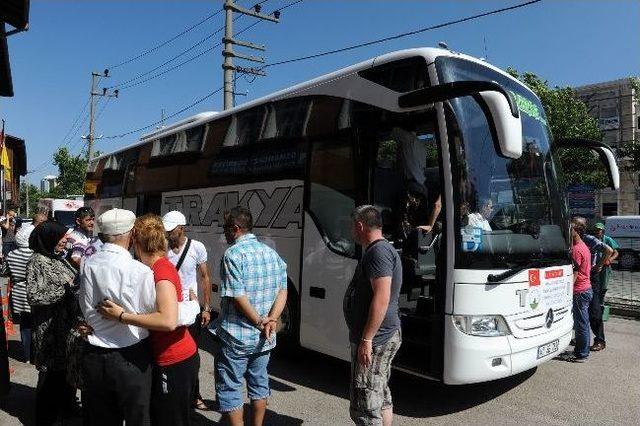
48	183
615	105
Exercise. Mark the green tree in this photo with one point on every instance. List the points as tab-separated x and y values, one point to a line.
568	117
71	173
632	150
34	196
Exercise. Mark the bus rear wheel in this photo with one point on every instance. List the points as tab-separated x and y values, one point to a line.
288	322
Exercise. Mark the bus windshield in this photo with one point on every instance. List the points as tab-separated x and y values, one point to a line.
508	211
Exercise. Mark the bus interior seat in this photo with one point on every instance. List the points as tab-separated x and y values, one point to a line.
427	246
419	263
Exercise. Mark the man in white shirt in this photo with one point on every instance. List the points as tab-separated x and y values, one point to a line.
117	362
481	218
190	259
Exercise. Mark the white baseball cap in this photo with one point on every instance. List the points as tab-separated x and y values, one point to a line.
116	221
173	219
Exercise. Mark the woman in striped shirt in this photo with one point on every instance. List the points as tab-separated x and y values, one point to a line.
16	267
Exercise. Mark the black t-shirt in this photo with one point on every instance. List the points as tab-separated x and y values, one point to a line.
379	260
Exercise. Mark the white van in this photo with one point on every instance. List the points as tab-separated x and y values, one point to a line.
626	231
62	210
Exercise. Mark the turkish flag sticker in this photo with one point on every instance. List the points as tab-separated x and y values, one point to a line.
534	277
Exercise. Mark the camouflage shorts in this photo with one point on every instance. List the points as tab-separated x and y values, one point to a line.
369	391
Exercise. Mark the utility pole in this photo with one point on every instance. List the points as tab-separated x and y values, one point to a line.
91	136
228	53
161	125
26	185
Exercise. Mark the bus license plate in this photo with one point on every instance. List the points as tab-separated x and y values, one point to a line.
548	348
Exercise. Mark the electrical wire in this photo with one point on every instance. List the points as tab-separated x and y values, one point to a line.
181	64
166	42
84	108
139	80
125	84
334	51
103	107
401	35
196	102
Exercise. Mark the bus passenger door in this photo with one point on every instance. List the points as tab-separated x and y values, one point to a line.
328	261
148	203
405	186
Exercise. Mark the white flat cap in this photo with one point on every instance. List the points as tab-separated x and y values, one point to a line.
173	219
116	221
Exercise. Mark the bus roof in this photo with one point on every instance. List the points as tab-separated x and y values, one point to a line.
429	53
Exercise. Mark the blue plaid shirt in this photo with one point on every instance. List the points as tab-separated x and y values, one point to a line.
249	268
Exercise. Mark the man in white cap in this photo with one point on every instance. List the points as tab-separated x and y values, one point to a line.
190	259
117	362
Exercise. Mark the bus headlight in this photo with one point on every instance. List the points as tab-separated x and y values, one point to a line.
482	325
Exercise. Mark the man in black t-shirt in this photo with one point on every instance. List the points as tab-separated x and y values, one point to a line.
371	312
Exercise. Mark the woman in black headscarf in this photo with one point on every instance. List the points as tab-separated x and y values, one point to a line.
54	313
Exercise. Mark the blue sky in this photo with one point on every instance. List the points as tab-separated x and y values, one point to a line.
565	42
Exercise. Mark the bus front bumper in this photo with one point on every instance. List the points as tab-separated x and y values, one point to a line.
473	359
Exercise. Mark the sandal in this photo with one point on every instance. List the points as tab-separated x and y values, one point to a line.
200	405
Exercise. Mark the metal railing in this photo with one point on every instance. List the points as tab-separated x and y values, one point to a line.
624	289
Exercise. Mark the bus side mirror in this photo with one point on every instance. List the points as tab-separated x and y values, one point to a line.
508	128
604	151
502	111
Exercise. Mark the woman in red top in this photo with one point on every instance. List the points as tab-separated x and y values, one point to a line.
173	348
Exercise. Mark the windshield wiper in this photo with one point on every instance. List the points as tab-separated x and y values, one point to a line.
538	263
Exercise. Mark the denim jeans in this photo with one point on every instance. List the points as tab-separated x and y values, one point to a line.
581	303
230	370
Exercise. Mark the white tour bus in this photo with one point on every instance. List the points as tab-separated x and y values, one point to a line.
487	294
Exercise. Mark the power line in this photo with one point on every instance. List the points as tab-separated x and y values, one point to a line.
198	101
166	42
134	83
173	58
181	64
163	72
84	108
401	35
73	131
334	51
168	61
103	107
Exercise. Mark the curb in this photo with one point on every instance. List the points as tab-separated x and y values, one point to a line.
625	311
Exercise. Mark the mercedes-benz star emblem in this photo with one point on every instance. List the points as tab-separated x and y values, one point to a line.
549	319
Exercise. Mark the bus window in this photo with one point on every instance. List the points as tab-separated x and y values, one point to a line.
130	180
186	141
401	76
287	119
332	194
246	127
387	184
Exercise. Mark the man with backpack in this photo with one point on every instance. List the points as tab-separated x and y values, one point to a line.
190	259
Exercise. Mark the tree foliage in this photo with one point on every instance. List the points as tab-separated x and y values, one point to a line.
34	196
568	117
71	173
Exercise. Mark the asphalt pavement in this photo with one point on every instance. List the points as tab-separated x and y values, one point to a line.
312	389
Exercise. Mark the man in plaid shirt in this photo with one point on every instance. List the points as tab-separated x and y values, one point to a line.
254	293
